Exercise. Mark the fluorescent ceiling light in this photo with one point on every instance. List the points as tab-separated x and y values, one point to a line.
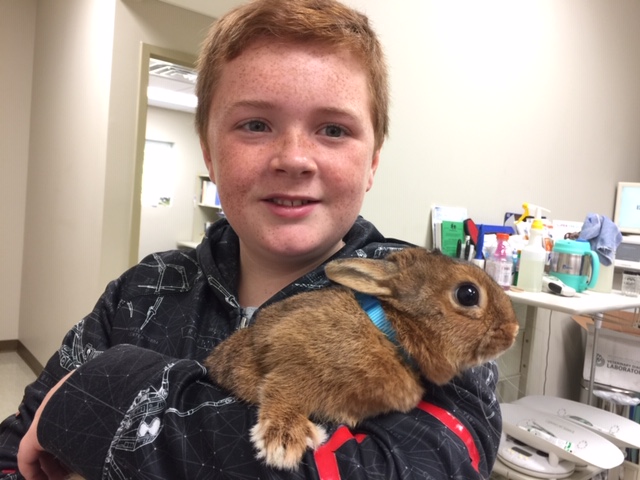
162	97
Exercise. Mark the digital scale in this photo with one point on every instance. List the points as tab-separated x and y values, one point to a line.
552	438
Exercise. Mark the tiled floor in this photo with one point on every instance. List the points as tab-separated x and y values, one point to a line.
14	376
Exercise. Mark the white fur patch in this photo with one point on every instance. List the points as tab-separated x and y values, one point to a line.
279	456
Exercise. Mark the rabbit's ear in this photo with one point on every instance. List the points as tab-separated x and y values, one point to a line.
374	277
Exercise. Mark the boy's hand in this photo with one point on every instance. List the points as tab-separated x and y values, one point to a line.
34	463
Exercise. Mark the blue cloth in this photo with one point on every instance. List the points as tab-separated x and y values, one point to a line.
604	237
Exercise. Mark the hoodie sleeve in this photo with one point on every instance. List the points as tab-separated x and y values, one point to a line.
134	413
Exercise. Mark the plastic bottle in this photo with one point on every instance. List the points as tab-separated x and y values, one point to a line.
515	255
500	264
533	258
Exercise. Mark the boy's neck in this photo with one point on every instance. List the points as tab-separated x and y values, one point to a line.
260	280
259	283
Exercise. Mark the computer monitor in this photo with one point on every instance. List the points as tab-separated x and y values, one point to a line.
626	212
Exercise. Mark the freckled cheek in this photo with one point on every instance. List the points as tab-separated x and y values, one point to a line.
349	175
234	173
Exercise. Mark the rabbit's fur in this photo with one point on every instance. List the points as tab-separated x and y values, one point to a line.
318	354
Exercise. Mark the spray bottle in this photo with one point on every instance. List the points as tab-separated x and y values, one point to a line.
521	224
534	255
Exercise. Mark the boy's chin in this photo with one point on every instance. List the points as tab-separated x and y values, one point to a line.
307	244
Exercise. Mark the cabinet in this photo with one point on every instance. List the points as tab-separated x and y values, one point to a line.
206	209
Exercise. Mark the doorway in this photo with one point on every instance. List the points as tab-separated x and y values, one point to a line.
165	131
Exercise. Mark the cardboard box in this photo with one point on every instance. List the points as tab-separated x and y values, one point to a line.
617	351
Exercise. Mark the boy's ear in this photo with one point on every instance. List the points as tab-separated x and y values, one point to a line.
373	277
208	162
375	160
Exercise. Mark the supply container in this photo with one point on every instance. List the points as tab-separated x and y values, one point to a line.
515	257
574	263
630	283
604	284
499	266
533	258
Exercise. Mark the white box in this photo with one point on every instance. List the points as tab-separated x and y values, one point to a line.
617	351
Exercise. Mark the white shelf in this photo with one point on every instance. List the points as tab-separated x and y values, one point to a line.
583	303
203	213
187	244
206	205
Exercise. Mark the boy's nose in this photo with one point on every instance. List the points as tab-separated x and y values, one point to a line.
294	154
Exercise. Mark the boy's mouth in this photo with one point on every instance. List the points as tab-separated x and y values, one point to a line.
289	203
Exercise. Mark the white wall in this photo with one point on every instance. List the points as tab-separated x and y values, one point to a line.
161	227
17	33
496	103
67	154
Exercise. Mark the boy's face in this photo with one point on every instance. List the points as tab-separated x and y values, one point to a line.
290	145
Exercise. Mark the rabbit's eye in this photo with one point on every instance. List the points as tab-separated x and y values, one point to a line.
468	295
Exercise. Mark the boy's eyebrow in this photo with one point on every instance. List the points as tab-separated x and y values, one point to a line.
346	112
266	105
262	104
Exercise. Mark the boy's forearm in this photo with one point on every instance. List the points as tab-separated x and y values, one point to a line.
132	410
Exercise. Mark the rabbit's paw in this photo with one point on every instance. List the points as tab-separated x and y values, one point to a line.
283	445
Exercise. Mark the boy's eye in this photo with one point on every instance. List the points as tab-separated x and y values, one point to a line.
334	131
255	126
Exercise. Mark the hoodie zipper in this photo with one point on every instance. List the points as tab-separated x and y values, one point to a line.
244	321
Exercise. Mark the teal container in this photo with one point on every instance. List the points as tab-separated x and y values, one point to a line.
575	264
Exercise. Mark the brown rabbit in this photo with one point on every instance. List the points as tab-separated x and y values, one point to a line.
319	355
